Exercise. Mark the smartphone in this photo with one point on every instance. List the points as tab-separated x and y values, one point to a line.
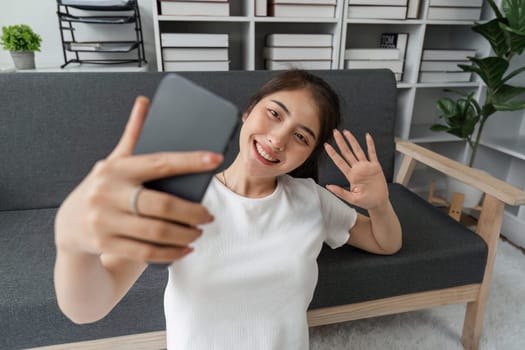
186	117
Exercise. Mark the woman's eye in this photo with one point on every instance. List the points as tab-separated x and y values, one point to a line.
301	138
273	113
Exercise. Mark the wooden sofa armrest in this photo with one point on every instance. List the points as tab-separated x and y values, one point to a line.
486	183
497	194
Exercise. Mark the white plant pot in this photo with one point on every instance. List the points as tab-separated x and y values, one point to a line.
472	195
23	59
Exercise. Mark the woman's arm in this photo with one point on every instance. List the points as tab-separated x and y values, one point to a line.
102	246
379	233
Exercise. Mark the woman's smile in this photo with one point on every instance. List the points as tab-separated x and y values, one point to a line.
266	154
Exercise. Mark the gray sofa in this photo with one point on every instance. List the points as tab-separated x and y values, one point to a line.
55	126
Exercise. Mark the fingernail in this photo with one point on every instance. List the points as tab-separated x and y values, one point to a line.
209	158
188	250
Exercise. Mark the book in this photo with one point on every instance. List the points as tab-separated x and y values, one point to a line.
298	53
442	66
456	3
377	12
299	40
398	41
413	9
195	53
454	13
444	77
306	64
378	2
261	7
193	40
395	66
447	55
373	54
194	8
293	10
196	66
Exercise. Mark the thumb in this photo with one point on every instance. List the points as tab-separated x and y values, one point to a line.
133	128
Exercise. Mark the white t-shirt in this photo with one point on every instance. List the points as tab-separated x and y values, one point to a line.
252	275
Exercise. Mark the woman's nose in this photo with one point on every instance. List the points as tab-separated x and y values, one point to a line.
278	138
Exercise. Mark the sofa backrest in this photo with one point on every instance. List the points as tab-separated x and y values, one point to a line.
55	126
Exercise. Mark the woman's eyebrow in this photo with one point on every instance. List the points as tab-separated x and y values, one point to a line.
305	128
282	105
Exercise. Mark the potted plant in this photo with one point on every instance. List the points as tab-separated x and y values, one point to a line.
465	117
22	43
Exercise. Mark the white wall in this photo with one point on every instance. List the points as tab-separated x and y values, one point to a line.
41	16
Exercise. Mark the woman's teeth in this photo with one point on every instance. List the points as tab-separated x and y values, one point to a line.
264	154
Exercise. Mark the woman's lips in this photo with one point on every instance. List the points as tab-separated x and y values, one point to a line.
265	154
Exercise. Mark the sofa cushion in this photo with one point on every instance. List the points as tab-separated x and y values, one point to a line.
30	314
437	253
64	122
434	246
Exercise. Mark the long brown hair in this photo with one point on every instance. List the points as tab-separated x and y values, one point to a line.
327	103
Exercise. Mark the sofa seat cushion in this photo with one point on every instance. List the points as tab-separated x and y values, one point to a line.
30	314
437	253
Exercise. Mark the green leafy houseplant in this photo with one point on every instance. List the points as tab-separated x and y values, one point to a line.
506	35
20	37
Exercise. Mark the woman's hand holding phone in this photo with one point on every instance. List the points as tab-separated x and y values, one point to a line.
97	217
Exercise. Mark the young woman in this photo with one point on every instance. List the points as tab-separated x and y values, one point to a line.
244	261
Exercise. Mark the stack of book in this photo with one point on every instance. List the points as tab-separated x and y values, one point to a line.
195	7
303	51
441	66
302	8
390	55
194	52
382	9
455	10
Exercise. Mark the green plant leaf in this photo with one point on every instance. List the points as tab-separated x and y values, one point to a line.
494	34
510	106
20	37
491	69
515	13
514	73
515	39
446	106
495	8
506	93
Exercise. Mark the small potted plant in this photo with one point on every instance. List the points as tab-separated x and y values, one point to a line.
465	117
21	42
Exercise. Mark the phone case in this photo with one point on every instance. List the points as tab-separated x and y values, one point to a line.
186	117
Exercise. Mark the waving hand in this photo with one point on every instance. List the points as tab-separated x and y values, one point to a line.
368	187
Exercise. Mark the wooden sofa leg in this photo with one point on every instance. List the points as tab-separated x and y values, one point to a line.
489	226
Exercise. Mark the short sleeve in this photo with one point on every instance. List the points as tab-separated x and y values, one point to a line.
338	217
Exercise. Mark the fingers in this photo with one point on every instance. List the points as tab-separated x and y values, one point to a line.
154	231
160	205
356	148
139	228
347	154
144	252
133	128
146	167
372	154
339	162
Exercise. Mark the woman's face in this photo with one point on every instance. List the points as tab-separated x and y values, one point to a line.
280	133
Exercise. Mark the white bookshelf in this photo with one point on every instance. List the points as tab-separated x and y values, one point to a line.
502	150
